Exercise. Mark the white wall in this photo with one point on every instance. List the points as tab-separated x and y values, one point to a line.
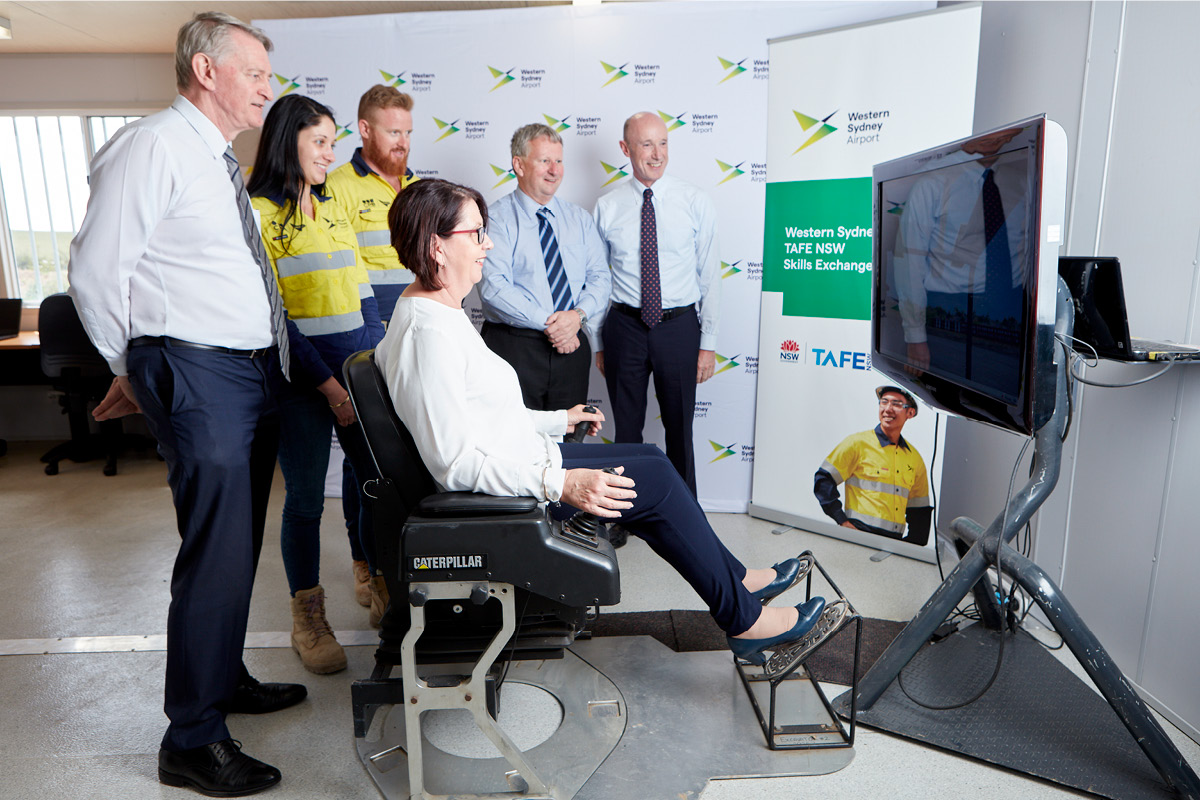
1119	532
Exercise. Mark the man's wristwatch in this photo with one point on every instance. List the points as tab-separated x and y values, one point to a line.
582	316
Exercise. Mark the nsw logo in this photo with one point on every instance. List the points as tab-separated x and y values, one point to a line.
789	350
823	128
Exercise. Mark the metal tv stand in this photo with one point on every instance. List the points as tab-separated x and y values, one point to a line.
971	574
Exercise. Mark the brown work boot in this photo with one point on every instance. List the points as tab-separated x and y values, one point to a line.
362	584
379	600
312	638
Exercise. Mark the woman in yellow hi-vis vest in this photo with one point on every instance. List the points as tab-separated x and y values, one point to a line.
332	314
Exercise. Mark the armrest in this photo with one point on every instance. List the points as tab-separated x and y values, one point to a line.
473	504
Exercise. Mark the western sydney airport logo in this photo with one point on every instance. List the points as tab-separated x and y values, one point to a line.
291	84
642	73
672	122
730	171
725	363
530	78
752	270
396	80
447	128
474	128
722	451
505	175
501	76
732	68
614	173
614	73
823	128
559	125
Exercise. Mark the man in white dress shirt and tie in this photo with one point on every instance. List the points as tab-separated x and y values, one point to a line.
661	235
171	282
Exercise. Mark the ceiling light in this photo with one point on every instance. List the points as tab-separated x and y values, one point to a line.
5	28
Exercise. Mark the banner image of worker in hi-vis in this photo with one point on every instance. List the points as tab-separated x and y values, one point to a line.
887	489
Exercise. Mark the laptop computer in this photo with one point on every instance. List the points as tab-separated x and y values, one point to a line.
10	318
1101	319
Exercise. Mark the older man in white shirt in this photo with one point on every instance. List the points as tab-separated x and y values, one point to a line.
168	278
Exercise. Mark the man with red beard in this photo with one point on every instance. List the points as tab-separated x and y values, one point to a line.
366	186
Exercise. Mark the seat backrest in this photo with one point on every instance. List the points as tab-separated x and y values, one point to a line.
64	343
392	447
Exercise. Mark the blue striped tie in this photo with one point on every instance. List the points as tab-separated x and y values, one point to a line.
254	242
560	288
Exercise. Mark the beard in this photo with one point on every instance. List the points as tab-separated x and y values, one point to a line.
388	162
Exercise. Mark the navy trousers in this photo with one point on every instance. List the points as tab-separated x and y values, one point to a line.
666	515
669	350
215	418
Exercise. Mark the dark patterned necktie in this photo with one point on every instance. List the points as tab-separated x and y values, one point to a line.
651	285
997	259
254	242
560	287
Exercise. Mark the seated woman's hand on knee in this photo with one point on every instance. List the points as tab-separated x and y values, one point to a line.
577	415
604	494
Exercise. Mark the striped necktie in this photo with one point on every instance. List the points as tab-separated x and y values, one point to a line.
254	242
560	288
651	284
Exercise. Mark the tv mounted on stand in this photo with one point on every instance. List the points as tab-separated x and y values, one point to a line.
966	304
966	239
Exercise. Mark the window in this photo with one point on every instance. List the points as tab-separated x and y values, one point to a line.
44	177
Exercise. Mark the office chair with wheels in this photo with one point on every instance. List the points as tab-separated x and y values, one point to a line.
77	369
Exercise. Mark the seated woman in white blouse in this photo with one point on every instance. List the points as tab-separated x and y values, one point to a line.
462	404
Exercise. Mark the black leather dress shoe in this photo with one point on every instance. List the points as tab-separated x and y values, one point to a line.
219	769
252	697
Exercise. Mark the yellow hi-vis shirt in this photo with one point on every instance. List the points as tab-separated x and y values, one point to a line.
321	279
882	479
365	198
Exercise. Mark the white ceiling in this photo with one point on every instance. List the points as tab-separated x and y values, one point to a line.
144	26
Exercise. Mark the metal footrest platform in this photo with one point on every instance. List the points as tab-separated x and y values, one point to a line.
793	719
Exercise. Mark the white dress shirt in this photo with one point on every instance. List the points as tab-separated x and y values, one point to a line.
161	250
462	404
689	263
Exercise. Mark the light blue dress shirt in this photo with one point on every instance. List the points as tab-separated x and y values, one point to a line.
515	289
688	257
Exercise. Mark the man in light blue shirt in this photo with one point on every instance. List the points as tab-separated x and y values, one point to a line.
546	278
661	236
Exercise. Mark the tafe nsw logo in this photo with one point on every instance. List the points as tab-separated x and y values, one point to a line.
823	128
615	73
789	350
393	80
732	68
450	562
842	359
448	128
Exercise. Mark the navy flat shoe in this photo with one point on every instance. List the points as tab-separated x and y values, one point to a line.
785	576
752	649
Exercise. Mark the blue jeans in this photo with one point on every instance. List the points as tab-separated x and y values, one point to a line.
305	423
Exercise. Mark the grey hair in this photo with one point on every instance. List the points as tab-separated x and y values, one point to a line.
527	133
208	33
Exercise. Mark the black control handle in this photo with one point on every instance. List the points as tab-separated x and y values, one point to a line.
581	428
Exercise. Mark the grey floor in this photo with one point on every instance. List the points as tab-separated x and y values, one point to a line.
87	559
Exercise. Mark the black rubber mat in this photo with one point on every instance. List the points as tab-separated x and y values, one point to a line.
1037	718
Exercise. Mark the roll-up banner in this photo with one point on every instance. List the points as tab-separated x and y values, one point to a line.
840	101
476	76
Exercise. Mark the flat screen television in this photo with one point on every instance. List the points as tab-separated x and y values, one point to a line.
965	272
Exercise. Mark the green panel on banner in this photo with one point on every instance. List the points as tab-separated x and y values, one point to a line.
817	247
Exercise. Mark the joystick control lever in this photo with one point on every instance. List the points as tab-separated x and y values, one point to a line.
585	523
581	428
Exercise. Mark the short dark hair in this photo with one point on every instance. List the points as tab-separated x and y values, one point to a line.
428	208
277	172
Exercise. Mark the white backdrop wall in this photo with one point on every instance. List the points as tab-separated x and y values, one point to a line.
476	76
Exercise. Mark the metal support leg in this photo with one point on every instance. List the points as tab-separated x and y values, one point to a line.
1047	459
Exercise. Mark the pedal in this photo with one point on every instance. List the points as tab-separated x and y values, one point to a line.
806	560
785	657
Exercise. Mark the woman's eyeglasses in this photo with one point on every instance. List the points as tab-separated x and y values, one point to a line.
479	232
